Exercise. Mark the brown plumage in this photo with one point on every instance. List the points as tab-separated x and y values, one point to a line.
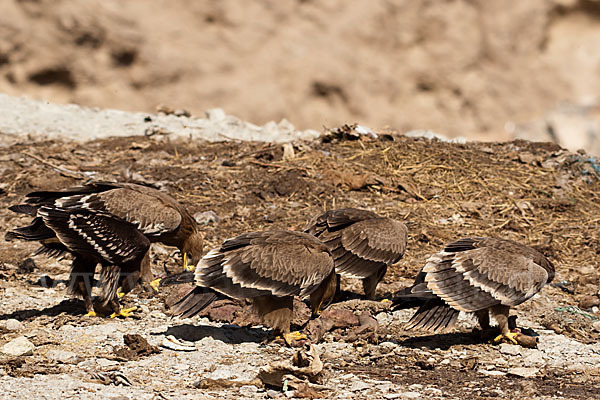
363	244
477	275
108	223
269	268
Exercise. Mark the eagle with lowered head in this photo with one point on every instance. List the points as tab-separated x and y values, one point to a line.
479	275
363	244
269	268
111	224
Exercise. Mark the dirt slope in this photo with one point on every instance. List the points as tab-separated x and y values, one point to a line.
458	67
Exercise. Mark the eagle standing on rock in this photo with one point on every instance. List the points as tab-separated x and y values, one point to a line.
108	223
478	275
270	268
363	244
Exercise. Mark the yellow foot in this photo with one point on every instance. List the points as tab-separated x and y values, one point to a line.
510	336
293	336
187	267
91	314
120	293
155	284
124	312
385	300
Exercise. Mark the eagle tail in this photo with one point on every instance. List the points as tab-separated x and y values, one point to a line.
433	316
193	302
179	278
36	231
24	209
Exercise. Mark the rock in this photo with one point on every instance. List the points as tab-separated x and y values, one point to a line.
410	395
589	301
491	372
358	386
18	347
510	349
206	217
104	362
273	393
596	326
13	325
62	356
524	372
533	358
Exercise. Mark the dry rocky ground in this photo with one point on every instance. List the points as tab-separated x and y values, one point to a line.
538	194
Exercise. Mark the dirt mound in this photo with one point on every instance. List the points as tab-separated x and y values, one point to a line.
459	67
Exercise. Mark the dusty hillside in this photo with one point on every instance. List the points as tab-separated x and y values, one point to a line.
537	194
469	68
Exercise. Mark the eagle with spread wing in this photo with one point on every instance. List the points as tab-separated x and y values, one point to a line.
479	275
111	224
363	244
269	268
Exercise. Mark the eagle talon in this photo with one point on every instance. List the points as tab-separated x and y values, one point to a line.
120	294
385	300
510	336
91	314
124	312
291	337
155	284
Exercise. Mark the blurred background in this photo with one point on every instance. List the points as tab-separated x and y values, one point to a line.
472	68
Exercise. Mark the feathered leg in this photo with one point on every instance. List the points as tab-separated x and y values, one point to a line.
81	281
500	313
370	283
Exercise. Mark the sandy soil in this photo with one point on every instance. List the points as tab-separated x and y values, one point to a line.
466	68
538	194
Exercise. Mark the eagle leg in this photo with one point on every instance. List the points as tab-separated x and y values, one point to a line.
187	267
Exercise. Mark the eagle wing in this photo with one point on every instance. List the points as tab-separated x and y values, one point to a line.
99	235
476	273
279	263
360	241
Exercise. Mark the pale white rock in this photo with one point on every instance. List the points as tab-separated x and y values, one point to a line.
62	356
18	347
524	372
358	386
510	349
13	325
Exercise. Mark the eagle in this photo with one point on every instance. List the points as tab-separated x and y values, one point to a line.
269	268
112	224
363	244
479	275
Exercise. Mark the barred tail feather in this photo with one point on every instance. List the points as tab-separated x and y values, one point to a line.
193	302
433	316
176	279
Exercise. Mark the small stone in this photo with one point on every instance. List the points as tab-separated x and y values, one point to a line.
62	356
596	326
272	393
386	347
491	373
510	349
289	394
18	347
104	362
13	325
410	395
587	302
524	372
358	386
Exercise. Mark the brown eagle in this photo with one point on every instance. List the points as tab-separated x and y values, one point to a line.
111	224
477	275
269	268
363	244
